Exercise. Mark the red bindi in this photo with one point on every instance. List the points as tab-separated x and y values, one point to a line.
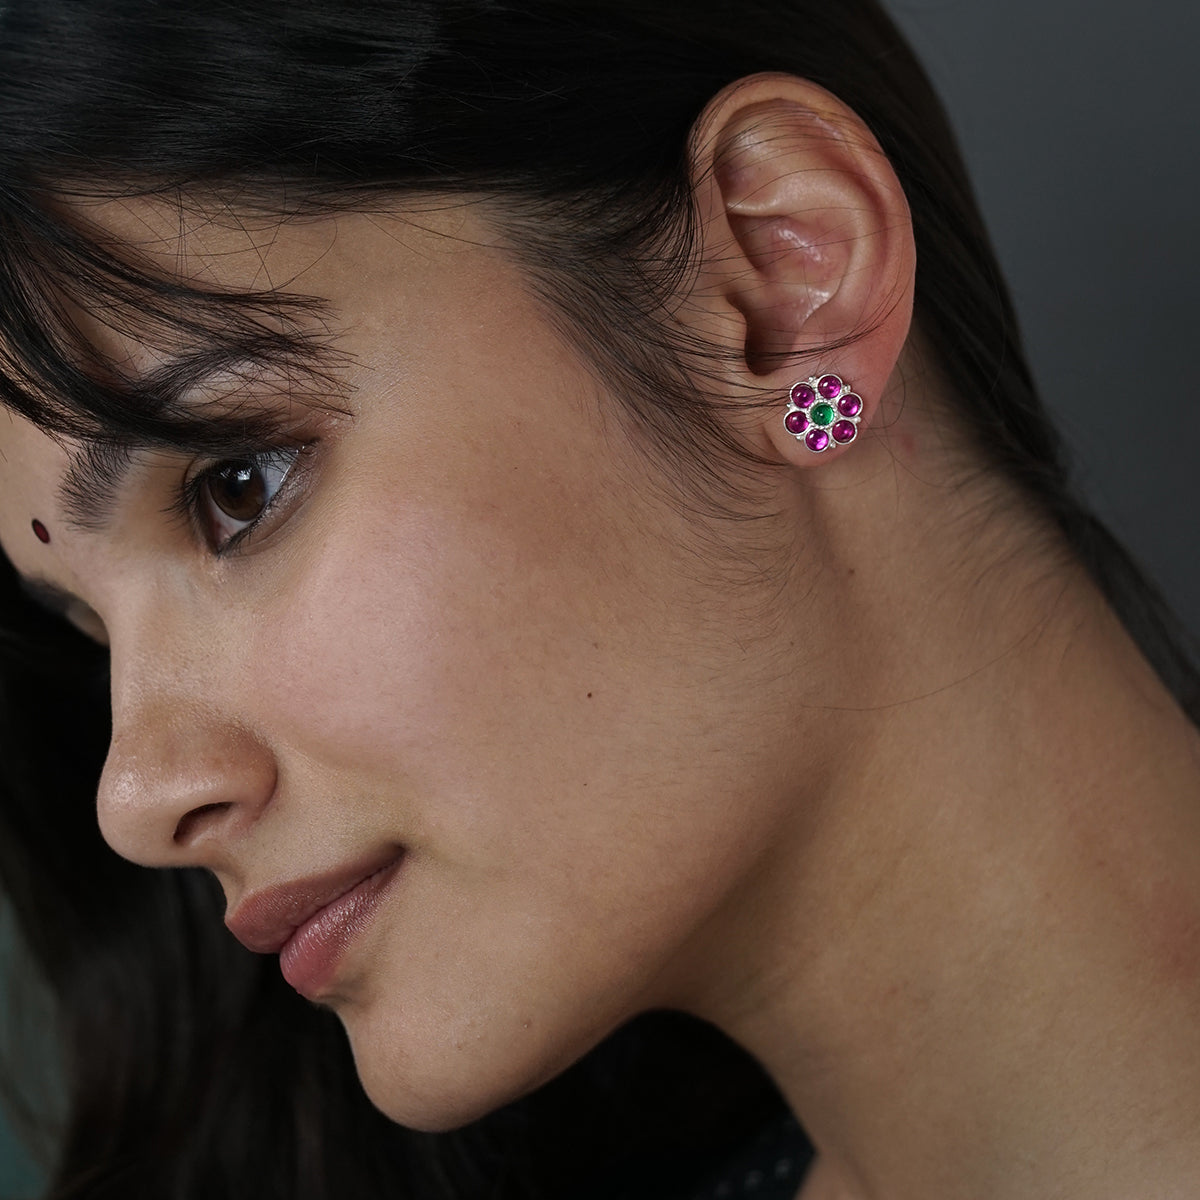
43	534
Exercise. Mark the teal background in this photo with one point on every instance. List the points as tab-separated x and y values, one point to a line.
19	1179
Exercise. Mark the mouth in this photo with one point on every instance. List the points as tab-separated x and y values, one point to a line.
310	923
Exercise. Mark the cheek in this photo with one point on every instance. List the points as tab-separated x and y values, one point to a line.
495	675
479	631
427	646
488	677
440	677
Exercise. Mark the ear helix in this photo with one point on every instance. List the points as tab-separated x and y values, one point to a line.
823	411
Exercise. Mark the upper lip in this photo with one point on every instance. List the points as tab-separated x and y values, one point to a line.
265	920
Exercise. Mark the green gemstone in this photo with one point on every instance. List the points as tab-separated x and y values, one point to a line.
822	414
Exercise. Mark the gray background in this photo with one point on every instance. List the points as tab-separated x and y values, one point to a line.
1080	122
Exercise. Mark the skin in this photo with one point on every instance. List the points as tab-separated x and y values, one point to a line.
875	782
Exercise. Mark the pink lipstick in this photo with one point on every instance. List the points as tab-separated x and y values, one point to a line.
311	922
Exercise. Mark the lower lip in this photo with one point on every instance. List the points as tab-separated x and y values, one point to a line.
310	957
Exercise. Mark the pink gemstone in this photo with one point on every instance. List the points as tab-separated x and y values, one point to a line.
816	440
850	405
803	395
844	431
796	422
830	386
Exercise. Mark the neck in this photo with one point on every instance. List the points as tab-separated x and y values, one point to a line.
973	967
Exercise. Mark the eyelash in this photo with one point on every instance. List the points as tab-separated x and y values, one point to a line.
195	496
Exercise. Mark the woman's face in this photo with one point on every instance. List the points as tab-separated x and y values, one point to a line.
473	638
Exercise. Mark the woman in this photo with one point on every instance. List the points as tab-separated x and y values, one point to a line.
556	559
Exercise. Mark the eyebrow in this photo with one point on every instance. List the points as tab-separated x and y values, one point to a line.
88	491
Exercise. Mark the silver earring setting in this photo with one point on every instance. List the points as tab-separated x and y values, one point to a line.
823	411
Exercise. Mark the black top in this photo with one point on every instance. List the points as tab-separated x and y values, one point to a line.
770	1165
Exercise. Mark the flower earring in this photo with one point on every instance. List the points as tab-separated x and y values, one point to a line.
822	412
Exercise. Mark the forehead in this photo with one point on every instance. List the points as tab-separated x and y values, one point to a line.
210	244
30	460
212	247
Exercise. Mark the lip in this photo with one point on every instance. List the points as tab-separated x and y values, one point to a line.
311	922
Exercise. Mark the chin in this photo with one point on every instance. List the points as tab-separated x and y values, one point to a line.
436	1085
426	1113
437	1105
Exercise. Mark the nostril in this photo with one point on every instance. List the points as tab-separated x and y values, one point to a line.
180	781
194	821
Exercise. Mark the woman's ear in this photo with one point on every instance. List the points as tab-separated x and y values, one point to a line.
807	255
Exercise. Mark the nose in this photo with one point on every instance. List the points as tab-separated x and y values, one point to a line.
184	774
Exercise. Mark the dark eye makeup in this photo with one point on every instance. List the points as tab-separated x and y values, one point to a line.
232	498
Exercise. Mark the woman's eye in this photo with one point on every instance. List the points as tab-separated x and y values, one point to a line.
234	495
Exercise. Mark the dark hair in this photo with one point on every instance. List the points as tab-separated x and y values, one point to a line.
191	1070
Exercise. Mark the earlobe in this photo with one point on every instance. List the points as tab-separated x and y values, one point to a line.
807	254
823	412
